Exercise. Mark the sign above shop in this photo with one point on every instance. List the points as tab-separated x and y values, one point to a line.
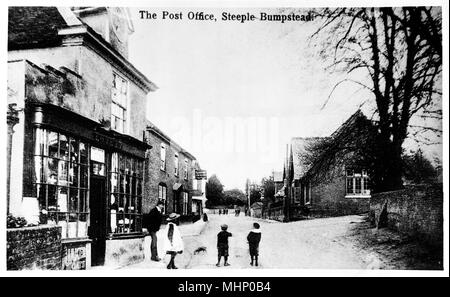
200	174
97	155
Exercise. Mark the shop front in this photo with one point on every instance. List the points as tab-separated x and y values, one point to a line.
88	180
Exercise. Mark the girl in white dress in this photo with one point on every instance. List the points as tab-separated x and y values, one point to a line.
173	243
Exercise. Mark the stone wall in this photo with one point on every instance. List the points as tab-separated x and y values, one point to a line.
416	211
34	248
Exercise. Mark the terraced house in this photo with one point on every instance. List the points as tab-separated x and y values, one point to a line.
172	178
76	130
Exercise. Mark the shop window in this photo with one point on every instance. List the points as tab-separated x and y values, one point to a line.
162	196
119	103
126	180
61	181
357	183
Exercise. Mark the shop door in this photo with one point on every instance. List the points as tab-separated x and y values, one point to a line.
97	228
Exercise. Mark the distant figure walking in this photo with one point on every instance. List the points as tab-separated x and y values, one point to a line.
173	243
253	238
222	245
220	211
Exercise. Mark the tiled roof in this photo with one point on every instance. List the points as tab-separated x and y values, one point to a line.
34	27
299	145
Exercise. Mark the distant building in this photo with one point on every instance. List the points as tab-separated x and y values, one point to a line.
343	190
256	209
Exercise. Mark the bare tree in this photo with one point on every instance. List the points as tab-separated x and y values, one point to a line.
396	54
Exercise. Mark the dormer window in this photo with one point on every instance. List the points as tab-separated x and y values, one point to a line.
119	96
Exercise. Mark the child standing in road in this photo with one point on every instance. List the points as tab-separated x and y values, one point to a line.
222	245
253	238
173	243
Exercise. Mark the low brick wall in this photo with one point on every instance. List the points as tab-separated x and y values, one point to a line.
416	211
34	248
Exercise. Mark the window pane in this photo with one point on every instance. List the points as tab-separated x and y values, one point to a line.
358	185
139	205
128	184
52	171
73	201
52	198
63	172
83	176
73	217
83	201
63	147
114	162
82	225
114	182
73	174
83	153
62	199
53	144
349	185
74	150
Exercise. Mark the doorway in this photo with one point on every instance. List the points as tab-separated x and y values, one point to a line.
97	228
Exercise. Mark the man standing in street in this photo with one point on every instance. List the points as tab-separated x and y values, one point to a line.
152	222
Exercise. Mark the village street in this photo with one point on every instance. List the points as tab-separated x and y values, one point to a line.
307	244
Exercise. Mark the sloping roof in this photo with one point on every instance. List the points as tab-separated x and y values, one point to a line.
41	27
278	176
299	146
157	131
30	27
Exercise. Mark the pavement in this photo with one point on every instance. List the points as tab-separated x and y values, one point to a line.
308	244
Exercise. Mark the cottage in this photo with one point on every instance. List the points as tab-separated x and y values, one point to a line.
344	189
76	144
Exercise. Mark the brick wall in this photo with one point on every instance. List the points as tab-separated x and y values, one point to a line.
34	248
154	175
416	211
328	197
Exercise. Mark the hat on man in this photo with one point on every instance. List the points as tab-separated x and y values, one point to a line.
173	216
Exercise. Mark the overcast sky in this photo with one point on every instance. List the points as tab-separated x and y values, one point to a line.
233	94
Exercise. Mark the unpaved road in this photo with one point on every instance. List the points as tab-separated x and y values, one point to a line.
309	244
317	244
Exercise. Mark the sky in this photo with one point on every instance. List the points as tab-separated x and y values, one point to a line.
233	94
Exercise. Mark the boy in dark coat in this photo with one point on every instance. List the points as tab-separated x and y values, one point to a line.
222	245
253	238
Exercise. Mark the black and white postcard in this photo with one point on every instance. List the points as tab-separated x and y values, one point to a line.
225	138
